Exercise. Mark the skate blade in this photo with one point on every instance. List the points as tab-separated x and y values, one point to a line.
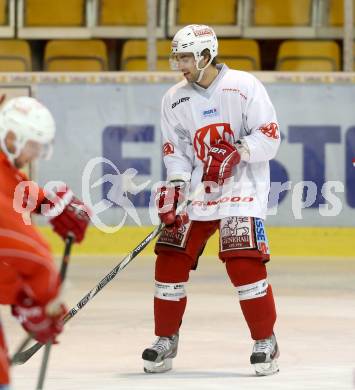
264	369
154	368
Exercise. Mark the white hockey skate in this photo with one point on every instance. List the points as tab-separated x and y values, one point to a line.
264	356
158	358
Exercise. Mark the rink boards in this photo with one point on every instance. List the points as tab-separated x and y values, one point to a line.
110	122
284	241
317	123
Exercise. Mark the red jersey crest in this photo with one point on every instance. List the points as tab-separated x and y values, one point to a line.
168	148
209	135
271	130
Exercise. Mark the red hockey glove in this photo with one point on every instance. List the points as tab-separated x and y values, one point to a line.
221	159
36	320
69	215
167	200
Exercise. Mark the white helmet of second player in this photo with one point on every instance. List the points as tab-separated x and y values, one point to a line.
195	38
29	120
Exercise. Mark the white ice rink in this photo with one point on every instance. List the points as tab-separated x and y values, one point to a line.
102	345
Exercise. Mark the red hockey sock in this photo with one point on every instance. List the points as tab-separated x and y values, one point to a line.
168	316
171	271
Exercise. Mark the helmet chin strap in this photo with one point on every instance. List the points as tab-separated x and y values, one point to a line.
10	156
202	70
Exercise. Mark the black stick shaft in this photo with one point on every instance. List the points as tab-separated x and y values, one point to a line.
66	257
21	348
63	272
44	365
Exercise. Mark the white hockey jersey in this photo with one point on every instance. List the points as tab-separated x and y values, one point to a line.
235	107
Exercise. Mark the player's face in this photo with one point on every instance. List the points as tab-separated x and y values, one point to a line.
30	152
187	65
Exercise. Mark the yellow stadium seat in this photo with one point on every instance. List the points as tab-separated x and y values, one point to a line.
240	54
122	13
210	12
75	56
308	56
63	13
3	12
135	51
15	56
282	13
335	13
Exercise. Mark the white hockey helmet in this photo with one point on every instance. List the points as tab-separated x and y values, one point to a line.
29	120
195	38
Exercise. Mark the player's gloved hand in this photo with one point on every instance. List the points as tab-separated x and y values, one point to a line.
221	159
68	214
167	199
44	323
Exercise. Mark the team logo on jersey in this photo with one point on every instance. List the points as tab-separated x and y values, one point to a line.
168	148
209	113
209	135
181	100
271	130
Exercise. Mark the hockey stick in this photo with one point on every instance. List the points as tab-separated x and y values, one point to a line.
22	346
22	357
63	272
44	365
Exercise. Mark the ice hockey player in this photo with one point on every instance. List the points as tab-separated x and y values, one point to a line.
219	126
29	280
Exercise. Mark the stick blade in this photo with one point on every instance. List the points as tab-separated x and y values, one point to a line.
23	356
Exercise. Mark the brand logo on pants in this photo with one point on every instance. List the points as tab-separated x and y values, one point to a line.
236	233
177	238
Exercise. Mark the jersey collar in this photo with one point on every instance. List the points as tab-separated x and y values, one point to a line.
207	92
